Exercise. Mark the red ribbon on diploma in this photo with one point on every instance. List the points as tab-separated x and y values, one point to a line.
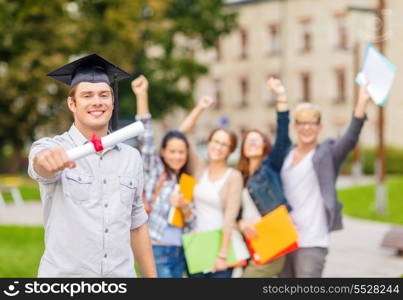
97	143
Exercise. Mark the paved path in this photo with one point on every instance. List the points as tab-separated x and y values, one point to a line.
347	181
30	213
355	251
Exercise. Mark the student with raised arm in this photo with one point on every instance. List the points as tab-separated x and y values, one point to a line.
162	171
260	165
309	177
217	195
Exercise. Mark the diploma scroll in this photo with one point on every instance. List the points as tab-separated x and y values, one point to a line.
109	140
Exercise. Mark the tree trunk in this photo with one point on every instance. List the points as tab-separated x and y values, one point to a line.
16	159
2	158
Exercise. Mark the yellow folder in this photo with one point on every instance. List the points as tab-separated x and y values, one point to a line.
186	187
276	235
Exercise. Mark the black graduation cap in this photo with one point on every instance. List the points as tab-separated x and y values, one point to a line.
92	68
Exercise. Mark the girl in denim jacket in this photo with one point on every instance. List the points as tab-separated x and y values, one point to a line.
260	164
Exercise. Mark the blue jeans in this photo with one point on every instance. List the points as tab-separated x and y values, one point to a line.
222	274
170	261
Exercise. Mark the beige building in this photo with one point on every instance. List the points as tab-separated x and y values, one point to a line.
309	44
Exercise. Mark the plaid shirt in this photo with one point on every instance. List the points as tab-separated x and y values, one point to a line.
153	169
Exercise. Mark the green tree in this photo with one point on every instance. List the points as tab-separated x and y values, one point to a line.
38	36
200	23
126	31
35	36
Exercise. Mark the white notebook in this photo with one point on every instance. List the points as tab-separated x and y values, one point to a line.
379	72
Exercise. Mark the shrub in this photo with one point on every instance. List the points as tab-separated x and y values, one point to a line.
394	161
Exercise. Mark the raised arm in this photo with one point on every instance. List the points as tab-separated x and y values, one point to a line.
275	86
151	161
140	89
347	142
188	124
362	103
276	158
196	163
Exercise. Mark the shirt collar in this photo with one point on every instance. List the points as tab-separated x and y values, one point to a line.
79	139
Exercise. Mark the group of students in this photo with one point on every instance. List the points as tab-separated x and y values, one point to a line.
302	177
111	208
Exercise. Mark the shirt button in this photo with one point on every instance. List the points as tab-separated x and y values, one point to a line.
101	158
79	178
104	181
105	256
106	205
106	230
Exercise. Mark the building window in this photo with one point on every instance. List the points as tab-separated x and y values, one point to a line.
342	38
244	89
217	94
306	87
306	28
243	36
218	50
340	76
274	44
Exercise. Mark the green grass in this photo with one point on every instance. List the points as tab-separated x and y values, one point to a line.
20	251
359	202
28	194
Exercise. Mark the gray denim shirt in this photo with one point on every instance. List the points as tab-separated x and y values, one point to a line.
89	210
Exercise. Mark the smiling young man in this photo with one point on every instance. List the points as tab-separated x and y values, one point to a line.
309	177
94	219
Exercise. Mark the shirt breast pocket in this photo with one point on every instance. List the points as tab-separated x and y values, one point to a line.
127	190
78	186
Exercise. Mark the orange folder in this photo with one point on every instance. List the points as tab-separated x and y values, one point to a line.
276	237
186	187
